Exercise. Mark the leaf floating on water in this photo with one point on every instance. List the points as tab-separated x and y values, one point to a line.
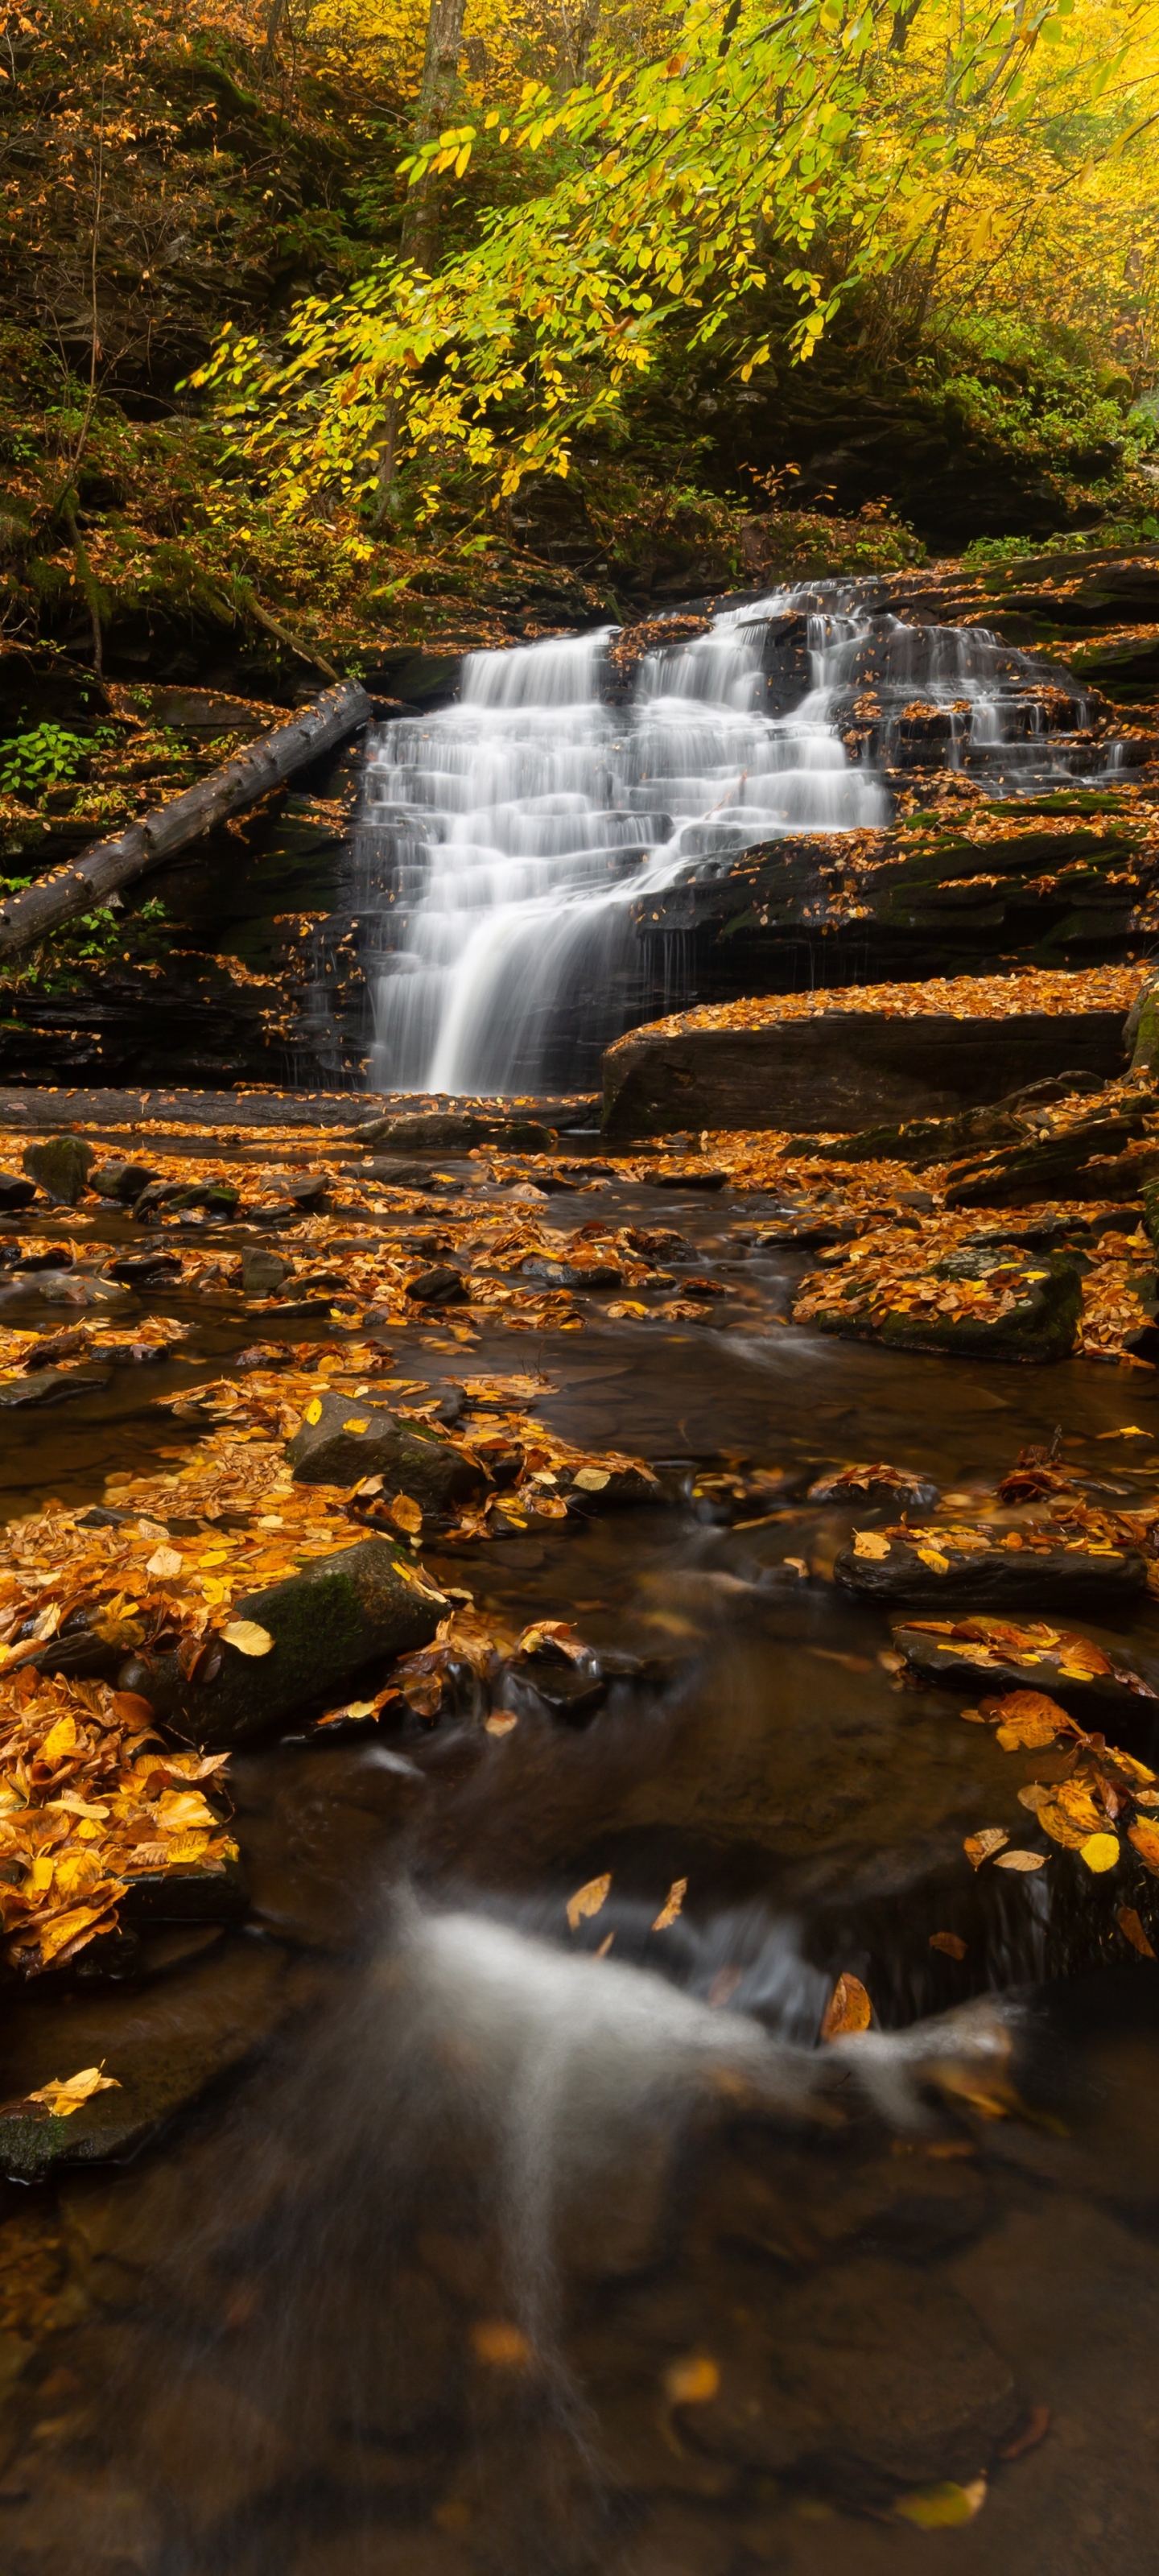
588	1900
951	1942
1022	1860
1100	1852
1132	1931
248	1637
1028	1719
1130	1431
64	2095
672	1904
1028	2436
605	1945
848	2010
978	1847
501	1722
694	2380
405	1514
501	2345
870	1543
937	2508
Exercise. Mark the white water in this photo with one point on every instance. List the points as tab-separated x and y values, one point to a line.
515	828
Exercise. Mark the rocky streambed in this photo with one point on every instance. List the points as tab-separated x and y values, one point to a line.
735	1684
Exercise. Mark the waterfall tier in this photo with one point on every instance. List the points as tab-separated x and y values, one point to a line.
507	836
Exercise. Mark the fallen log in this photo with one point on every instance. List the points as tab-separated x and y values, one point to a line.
105	866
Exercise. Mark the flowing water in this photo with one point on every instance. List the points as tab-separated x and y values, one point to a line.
508	836
500	2244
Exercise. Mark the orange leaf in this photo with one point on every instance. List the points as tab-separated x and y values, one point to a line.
589	1899
672	1904
951	1942
848	2009
1132	1931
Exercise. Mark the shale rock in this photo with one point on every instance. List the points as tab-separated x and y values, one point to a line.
986	1576
1094	1160
978	1656
61	1165
348	1439
327	1622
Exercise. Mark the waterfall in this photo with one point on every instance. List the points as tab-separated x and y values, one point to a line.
510	833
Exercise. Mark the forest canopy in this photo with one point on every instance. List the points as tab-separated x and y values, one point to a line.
319	320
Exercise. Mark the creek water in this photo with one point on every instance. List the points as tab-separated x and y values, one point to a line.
505	839
492	2247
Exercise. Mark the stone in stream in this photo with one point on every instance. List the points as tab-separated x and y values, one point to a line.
1102	1158
164	2045
839	1069
360	1606
968	1570
943	1140
903	2383
60	1165
446	1131
123	1181
994	1655
440	1286
51	1386
345	1439
1042	1297
262	1271
15	1193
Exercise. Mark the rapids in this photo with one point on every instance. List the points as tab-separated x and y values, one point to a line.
504	838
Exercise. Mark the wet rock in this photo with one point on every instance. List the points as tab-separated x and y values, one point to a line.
262	1271
840	1069
349	1439
327	1622
15	1193
164	2046
143	1270
123	1181
52	1386
995	1576
440	1286
316	1834
1039	1324
570	1274
444	1131
903	2381
1067	1669
207	2447
1087	1161
60	1165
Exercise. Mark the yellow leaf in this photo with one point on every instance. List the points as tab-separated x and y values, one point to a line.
248	1637
978	1847
1130	1431
672	1904
870	1543
588	1900
1100	1852
1023	1860
406	1515
63	2095
848	2009
165	1563
1145	1838
503	2345
592	1480
501	1723
1029	1718
1132	1931
357	1422
61	1740
694	2380
935	2508
313	1412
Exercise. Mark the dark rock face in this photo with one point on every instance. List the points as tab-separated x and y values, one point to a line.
993	1578
15	1193
61	1165
351	1439
841	1069
326	1622
1088	1161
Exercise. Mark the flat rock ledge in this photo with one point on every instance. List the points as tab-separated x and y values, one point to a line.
843	1059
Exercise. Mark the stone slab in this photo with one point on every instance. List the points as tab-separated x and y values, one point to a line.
843	1069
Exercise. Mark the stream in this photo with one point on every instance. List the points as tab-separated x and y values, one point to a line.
501	2246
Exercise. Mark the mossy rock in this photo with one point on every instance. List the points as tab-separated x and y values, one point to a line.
60	1165
1040	1326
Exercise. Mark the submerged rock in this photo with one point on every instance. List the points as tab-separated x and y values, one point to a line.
978	1654
61	1165
343	1439
326	1622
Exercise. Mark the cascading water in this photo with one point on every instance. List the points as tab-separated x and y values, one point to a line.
512	831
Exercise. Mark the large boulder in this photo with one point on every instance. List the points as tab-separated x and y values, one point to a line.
327	1622
60	1165
762	1064
342	1439
1032	1304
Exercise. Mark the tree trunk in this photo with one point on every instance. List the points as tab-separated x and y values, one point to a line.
105	865
440	64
